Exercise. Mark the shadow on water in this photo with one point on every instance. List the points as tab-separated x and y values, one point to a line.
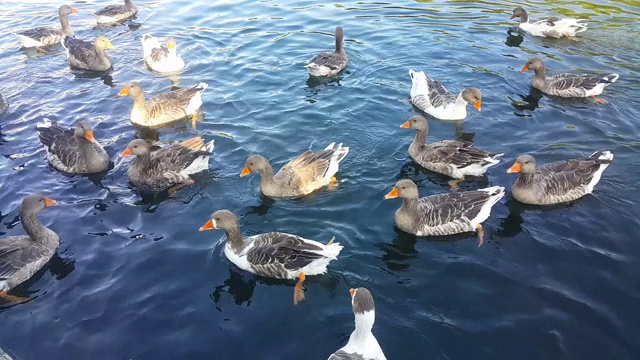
512	224
105	76
529	102
241	285
265	204
514	37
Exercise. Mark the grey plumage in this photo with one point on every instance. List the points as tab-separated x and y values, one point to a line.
558	182
449	157
86	55
330	63
44	36
114	13
343	355
74	151
566	84
22	256
442	214
363	301
167	167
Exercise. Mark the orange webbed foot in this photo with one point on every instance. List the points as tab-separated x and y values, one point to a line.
298	290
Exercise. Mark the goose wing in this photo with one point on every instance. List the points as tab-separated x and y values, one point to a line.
40	33
172	105
60	145
439	96
113	10
442	209
458	153
176	157
282	250
563	176
331	60
81	51
16	253
307	167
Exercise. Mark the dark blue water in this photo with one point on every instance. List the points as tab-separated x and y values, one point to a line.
134	279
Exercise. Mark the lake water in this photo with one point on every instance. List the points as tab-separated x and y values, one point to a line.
134	279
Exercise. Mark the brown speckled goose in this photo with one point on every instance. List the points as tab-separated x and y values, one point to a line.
568	85
443	214
164	108
73	151
169	167
88	56
558	182
301	176
362	343
44	36
22	256
449	157
115	13
275	255
330	63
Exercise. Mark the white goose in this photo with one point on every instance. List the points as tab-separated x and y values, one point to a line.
160	58
275	255
552	27
362	343
433	98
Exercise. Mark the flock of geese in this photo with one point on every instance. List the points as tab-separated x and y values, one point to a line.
282	255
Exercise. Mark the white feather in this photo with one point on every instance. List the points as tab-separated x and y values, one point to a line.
485	211
201	163
28	42
319	70
196	100
477	169
606	155
420	87
337	157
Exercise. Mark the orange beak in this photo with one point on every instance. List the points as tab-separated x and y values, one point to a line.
74	11
525	68
245	172
126	152
209	225
124	92
515	168
406	125
352	292
392	194
49	202
478	105
89	135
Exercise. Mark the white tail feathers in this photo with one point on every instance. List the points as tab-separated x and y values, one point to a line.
338	155
611	78
495	194
46	123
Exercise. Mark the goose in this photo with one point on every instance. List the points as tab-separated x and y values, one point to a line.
88	56
73	151
362	343
116	13
45	36
22	256
443	214
433	98
164	108
274	255
301	176
169	167
3	104
552	27
453	158
159	58
328	64
569	85
558	182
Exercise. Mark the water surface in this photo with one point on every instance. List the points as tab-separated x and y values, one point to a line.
134	279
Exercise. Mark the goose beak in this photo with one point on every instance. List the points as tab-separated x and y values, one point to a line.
245	172
74	11
126	152
515	168
352	292
525	68
89	136
392	194
49	202
478	105
209	225
124	91
109	46
170	46
406	125
512	17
